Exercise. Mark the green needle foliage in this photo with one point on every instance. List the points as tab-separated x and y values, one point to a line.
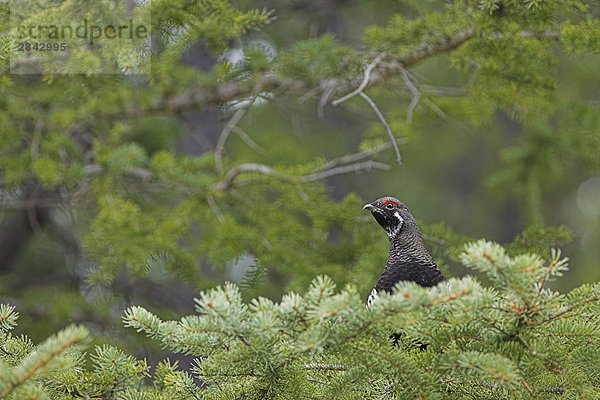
515	339
27	370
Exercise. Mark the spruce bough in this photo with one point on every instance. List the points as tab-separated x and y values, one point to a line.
515	338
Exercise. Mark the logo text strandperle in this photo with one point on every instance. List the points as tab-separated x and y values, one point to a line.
88	31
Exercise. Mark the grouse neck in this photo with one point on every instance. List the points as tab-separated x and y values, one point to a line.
400	241
407	243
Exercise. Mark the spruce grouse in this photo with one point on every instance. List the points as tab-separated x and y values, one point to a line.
408	259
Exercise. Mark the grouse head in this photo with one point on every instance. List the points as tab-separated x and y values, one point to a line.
391	214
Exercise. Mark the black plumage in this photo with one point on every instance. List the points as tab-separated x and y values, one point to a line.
408	259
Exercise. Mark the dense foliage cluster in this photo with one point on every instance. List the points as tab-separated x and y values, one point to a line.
515	339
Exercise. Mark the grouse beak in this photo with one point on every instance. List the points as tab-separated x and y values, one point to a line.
373	208
368	206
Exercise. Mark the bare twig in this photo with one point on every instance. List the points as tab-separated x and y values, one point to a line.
442	90
356	167
92	169
263	169
385	125
232	174
553	35
356	156
30	204
315	91
141	173
247	139
364	83
136	172
303	195
323	101
220	147
37	136
407	78
215	208
434	107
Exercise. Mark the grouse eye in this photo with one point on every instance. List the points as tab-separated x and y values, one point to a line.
389	206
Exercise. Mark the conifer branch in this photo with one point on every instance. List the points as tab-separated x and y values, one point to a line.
562	313
385	68
36	361
202	97
399	367
327	367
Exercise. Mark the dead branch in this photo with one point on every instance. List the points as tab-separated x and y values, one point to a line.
364	83
37	137
356	156
327	93
201	97
356	167
442	90
385	125
232	174
263	169
407	78
248	140
206	96
215	208
220	147
436	109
